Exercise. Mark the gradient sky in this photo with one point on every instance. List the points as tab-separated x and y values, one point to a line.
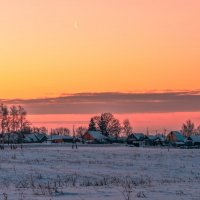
115	51
50	47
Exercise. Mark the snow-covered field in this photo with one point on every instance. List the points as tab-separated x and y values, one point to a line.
99	173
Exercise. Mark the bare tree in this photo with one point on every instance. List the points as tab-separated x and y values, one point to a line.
22	118
115	128
39	130
197	131
4	113
14	113
61	131
13	120
188	128
80	131
127	128
43	130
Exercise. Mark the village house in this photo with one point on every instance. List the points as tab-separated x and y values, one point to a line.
136	139
160	140
68	138
150	140
55	139
94	137
176	138
60	138
34	138
194	140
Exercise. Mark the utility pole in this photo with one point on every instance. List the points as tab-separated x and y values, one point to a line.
51	135
147	131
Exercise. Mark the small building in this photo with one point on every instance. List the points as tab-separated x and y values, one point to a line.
34	138
55	139
60	139
30	138
160	140
150	140
154	140
41	137
68	139
111	139
94	137
175	138
194	140
136	139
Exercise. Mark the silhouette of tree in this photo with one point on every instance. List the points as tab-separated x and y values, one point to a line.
92	125
188	128
107	124
61	131
80	131
127	128
4	117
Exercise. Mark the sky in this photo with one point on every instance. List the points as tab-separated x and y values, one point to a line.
91	56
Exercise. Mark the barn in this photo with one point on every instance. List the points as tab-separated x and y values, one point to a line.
175	138
94	137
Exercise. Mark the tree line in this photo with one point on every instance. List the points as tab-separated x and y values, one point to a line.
13	119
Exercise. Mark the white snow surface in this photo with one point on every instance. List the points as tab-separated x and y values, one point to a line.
56	172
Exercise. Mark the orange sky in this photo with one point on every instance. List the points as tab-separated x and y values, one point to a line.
50	47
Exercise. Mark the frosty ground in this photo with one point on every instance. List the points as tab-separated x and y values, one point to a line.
56	172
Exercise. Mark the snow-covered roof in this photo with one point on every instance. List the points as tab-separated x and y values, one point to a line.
194	138
67	137
59	137
40	136
151	137
31	138
97	135
55	137
139	136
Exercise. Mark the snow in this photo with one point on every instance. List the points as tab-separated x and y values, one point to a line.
100	172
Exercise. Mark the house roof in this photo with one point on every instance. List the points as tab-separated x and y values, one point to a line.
59	137
55	137
40	136
97	135
178	135
67	137
160	138
194	138
151	137
31	138
139	136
